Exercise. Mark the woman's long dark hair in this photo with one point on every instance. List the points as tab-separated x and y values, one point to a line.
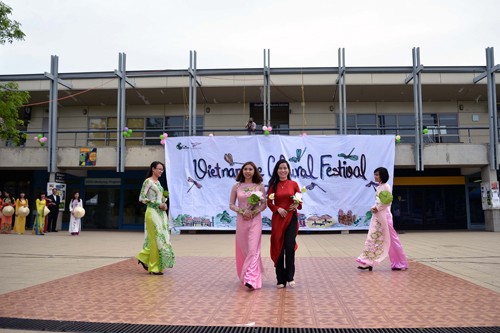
274	177
383	173
256	178
154	165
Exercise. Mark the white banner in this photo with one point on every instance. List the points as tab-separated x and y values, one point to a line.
336	170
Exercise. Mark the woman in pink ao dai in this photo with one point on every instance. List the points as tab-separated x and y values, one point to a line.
248	225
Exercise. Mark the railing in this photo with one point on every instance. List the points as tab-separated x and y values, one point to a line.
99	138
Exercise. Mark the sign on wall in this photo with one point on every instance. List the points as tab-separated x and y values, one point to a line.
88	157
337	172
60	191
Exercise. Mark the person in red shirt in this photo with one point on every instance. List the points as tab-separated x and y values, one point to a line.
284	228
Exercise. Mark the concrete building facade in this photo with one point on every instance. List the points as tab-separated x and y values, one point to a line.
444	194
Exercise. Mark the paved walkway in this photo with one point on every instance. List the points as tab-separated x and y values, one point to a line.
62	275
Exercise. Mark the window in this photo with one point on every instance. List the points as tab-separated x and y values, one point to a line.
106	137
179	126
408	122
438	128
154	128
366	121
361	124
136	138
404	125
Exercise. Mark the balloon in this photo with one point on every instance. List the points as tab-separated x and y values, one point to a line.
125	129
162	141
40	135
269	128
35	138
211	134
425	131
398	137
162	137
130	131
165	135
266	132
264	128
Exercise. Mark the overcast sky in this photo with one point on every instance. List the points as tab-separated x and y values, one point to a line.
87	35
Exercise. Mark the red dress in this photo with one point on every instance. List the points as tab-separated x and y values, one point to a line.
282	199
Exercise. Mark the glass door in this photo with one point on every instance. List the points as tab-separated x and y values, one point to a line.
101	208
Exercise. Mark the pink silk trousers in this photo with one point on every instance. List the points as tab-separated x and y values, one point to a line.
396	253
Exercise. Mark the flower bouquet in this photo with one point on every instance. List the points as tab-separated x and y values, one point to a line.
165	196
385	197
297	198
254	198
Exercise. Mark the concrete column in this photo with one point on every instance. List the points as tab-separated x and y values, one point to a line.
491	215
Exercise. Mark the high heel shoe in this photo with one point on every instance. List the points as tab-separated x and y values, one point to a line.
366	268
249	286
156	273
143	264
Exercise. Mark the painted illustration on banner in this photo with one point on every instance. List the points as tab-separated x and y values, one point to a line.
335	171
88	157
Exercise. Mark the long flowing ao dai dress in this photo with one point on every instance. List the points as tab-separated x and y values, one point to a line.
20	224
39	224
248	239
283	230
6	221
75	224
382	238
157	252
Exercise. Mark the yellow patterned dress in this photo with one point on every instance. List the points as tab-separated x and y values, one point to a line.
20	224
39	223
157	253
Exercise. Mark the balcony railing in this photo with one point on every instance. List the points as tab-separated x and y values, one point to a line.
100	138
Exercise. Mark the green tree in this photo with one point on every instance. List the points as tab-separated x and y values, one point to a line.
9	29
11	99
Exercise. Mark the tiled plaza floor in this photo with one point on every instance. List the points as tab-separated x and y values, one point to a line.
330	292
